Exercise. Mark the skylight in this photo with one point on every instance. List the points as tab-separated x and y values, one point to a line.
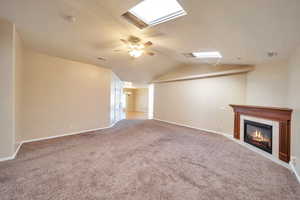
208	54
154	12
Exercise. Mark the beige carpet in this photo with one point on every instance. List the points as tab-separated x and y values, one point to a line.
143	160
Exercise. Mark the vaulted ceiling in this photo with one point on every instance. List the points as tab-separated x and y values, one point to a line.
245	29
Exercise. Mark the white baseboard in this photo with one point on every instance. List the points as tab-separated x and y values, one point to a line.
7	158
201	129
17	150
51	137
67	134
230	136
13	156
294	171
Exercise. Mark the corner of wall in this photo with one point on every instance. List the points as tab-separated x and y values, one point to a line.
7	73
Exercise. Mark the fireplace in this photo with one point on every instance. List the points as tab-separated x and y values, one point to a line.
258	135
278	118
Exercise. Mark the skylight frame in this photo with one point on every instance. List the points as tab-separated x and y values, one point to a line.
169	16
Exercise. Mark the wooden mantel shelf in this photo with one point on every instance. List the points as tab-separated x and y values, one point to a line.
282	115
273	113
261	107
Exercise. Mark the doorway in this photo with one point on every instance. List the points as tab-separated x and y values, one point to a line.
136	102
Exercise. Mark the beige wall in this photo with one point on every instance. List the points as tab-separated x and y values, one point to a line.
7	135
62	96
294	102
267	84
43	96
19	62
201	103
141	100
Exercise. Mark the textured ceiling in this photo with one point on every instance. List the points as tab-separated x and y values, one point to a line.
246	29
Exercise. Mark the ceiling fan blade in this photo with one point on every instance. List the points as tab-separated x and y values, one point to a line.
117	50
124	41
150	53
134	39
148	44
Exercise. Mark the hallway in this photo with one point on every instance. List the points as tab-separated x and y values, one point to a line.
136	115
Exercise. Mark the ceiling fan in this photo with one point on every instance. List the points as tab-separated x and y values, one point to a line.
135	47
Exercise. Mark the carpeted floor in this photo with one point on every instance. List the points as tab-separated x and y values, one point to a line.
143	160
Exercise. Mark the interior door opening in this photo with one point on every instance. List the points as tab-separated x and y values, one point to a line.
138	102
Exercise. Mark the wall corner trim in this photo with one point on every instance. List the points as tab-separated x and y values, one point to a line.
52	137
295	171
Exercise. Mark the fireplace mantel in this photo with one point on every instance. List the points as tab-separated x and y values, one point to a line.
282	115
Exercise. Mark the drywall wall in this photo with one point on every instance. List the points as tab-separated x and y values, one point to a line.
7	89
294	103
267	84
18	45
201	103
63	96
141	100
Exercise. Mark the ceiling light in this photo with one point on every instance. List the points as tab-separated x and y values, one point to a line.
154	12
208	54
135	53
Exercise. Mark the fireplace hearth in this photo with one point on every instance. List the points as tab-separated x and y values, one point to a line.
258	135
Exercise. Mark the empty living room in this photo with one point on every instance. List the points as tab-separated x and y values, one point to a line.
149	100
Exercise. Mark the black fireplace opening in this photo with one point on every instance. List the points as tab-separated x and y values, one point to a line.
258	135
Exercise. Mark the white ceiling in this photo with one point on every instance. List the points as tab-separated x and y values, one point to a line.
237	28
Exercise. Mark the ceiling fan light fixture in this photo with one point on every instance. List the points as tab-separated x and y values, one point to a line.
136	53
136	46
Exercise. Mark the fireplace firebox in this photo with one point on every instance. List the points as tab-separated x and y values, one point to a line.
258	135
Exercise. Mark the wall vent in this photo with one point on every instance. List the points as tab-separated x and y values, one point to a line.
102	59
